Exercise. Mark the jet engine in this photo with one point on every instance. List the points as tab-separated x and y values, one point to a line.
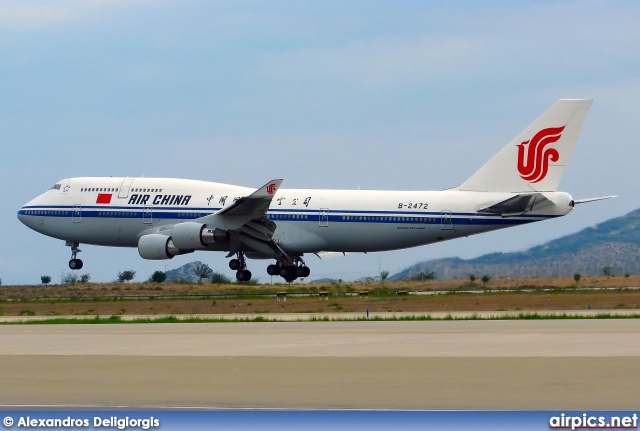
196	236
157	247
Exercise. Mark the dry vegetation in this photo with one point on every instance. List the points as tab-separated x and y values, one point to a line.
159	299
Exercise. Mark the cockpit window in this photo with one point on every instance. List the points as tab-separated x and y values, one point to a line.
56	187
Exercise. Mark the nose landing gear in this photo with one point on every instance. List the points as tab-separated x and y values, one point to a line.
74	263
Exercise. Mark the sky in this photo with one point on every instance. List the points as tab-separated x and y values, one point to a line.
397	95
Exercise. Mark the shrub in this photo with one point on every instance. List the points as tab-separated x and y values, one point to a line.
159	277
45	279
126	276
70	278
218	278
485	279
84	278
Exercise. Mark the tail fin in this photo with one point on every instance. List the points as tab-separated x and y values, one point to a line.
534	161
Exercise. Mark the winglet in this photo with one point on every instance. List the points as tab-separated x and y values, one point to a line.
254	205
268	190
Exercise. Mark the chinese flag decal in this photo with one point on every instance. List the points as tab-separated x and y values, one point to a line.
103	198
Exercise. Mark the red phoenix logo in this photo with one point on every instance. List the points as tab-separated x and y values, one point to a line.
533	161
271	188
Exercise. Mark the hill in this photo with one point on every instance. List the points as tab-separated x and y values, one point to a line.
613	244
185	272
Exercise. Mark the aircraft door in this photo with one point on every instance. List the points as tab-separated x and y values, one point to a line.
124	188
323	219
446	220
76	215
147	214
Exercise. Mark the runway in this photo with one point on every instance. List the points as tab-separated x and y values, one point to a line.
530	365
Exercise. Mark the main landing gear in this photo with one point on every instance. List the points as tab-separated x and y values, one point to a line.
240	266
290	272
74	263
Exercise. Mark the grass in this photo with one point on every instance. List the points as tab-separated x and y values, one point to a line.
116	319
521	296
93	290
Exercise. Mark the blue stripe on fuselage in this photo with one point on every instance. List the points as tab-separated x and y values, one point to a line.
301	215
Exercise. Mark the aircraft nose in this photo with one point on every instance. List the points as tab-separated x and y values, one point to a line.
22	216
26	218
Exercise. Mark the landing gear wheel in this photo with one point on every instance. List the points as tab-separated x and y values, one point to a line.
75	264
243	275
288	273
234	264
305	271
273	270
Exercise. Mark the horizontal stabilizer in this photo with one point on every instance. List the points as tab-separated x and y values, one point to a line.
516	205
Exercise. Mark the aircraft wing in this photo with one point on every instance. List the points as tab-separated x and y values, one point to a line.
244	220
245	209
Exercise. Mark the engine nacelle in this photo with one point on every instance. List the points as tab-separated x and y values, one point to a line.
196	236
157	247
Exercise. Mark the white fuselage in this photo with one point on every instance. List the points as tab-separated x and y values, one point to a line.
81	210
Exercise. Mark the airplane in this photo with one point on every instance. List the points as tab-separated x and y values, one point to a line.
167	217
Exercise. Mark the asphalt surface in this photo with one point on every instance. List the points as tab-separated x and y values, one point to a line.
512	365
